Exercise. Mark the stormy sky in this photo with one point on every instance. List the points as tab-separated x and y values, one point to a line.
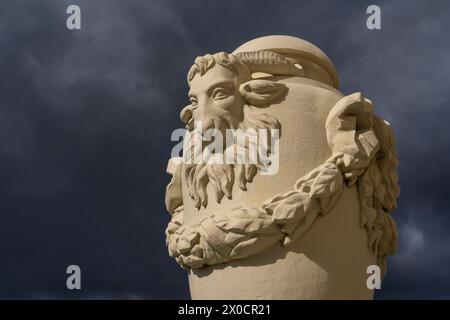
86	118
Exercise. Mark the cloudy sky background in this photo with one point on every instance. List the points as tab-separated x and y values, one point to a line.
86	117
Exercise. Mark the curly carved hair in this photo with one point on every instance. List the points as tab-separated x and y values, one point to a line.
208	61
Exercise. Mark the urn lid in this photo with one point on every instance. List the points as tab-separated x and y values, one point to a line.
314	61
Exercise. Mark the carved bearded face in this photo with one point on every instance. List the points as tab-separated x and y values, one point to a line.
224	96
215	99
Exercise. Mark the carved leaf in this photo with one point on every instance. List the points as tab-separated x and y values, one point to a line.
240	248
301	228
254	245
232	238
245	226
192	261
327	182
290	208
243	220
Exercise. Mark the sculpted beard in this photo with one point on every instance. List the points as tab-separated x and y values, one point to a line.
222	177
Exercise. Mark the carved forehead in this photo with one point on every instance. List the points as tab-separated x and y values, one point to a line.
218	75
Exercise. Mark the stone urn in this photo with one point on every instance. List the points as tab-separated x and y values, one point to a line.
307	214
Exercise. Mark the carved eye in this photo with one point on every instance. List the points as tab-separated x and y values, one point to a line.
220	93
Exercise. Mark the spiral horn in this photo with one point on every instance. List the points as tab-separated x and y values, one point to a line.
269	62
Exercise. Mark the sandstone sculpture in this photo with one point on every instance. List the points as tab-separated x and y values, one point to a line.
310	230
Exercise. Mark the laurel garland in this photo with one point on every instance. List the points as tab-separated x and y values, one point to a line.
243	231
363	154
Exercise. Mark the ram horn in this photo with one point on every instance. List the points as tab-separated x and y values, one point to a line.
269	62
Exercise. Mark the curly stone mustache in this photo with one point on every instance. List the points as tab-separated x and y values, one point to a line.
222	177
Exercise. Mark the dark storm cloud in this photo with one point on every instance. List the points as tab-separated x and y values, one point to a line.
82	173
86	116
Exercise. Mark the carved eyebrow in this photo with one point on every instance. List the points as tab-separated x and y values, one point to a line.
227	84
